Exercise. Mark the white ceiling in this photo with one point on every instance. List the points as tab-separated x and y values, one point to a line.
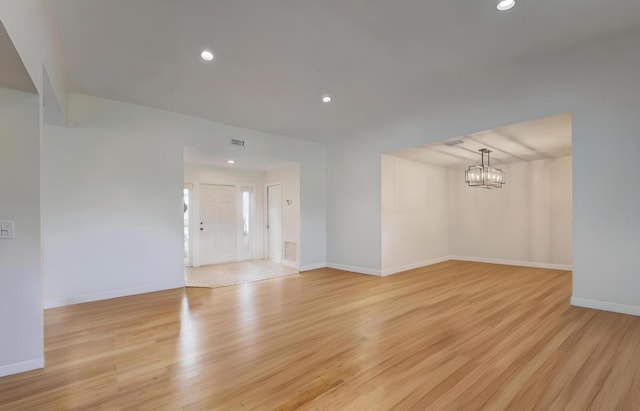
276	58
546	138
13	74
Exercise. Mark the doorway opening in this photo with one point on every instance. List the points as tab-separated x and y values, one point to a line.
241	215
436	205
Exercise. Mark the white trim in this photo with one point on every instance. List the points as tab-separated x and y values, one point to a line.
189	187
290	264
267	223
313	266
533	264
355	269
105	295
407	267
606	306
21	367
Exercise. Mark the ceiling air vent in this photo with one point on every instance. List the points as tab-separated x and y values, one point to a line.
236	142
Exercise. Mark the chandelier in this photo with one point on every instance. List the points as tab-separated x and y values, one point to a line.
484	176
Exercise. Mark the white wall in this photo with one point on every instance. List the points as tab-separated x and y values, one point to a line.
597	83
527	221
110	204
20	266
289	180
354	207
415	209
34	34
112	196
203	174
430	215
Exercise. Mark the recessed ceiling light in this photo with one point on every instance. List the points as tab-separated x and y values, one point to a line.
206	55
326	99
506	4
231	162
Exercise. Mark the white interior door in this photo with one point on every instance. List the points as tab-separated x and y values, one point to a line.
274	222
217	224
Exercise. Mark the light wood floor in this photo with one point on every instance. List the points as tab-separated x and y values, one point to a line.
223	275
457	335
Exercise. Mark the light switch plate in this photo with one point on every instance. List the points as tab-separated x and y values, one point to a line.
6	229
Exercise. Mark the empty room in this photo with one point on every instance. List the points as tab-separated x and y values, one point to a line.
319	205
497	196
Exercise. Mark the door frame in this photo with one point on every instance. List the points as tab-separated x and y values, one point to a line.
192	214
266	220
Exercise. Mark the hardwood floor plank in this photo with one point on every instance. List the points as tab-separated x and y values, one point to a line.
451	336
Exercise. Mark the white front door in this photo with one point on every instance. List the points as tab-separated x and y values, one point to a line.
217	224
274	222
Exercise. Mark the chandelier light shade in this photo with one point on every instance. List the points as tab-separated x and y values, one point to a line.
483	175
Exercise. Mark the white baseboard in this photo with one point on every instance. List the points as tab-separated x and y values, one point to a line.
407	267
355	269
533	264
606	306
21	367
373	271
59	302
313	266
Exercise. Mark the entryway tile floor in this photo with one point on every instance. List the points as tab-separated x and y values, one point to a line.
222	275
